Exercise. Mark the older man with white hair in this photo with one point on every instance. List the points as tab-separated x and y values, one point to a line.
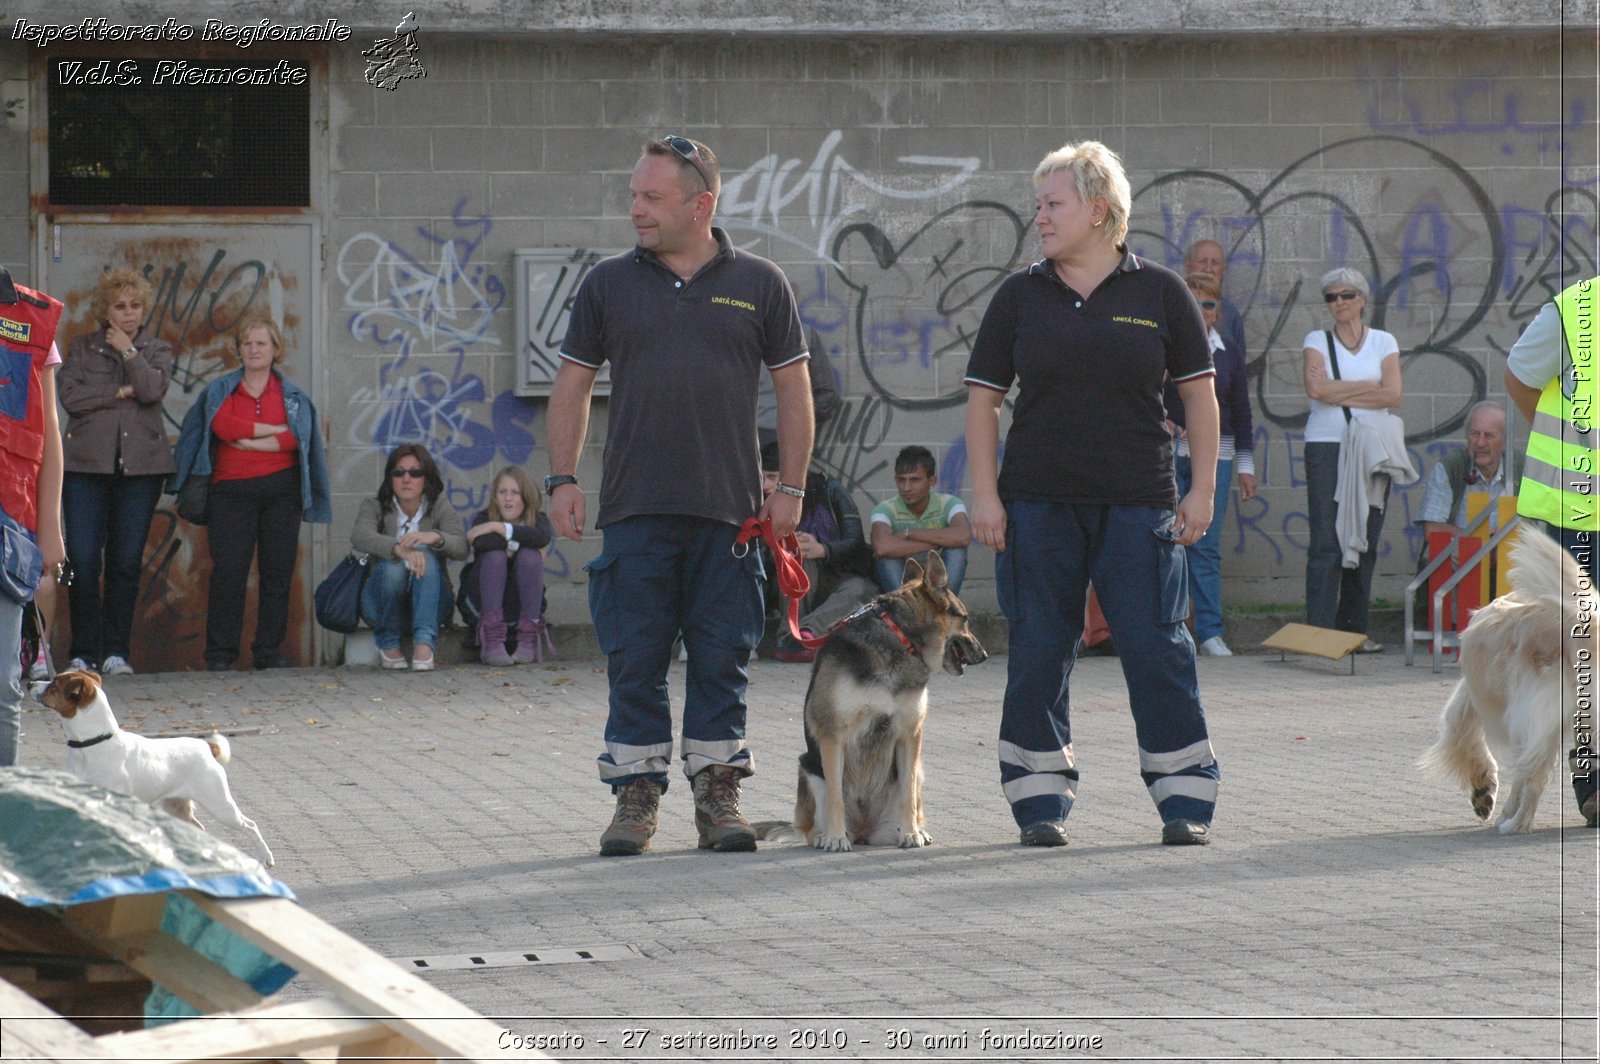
1479	467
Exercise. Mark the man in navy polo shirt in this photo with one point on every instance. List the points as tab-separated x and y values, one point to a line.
688	325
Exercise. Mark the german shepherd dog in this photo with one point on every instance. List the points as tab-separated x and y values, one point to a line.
861	775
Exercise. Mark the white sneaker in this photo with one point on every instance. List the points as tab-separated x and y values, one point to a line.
1215	648
116	665
40	669
79	665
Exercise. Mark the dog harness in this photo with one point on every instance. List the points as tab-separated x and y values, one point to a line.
794	584
79	744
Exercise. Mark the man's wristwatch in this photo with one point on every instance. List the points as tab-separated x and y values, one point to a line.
552	483
788	489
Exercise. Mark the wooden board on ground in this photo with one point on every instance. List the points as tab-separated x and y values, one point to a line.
376	1009
1309	639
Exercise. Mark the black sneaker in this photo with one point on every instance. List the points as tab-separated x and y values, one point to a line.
1045	833
1181	832
273	660
218	665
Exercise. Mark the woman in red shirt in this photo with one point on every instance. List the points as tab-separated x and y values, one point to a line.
256	504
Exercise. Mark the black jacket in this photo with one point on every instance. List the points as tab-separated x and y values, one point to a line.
847	554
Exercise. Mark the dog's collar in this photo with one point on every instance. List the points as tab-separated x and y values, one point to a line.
883	615
79	744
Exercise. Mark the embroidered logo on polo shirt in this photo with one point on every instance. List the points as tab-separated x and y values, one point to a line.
15	330
741	304
1146	322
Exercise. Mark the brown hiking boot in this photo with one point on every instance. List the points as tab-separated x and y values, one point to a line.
638	809
716	812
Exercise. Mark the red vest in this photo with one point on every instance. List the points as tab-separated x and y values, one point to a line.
27	328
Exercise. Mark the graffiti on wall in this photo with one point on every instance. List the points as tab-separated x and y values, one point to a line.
205	278
416	304
903	264
428	303
806	204
1486	109
1448	255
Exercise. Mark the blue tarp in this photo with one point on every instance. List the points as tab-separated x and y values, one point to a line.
64	843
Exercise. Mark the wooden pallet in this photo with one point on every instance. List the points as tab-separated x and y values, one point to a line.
376	1010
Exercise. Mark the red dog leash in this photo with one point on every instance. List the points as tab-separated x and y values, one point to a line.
792	579
794	584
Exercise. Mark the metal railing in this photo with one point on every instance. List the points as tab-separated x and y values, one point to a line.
1437	636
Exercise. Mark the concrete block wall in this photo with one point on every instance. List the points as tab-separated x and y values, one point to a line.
890	177
891	180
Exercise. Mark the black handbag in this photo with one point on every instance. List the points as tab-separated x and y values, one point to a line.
338	598
194	499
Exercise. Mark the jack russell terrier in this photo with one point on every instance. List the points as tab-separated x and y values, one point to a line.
175	772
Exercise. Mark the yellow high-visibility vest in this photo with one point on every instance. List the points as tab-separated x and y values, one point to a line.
1561	477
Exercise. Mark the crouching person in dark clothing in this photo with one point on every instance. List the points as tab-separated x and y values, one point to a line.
833	550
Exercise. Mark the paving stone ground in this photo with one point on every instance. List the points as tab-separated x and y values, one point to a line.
1349	908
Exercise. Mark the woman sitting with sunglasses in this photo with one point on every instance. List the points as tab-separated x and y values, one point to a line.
1359	378
409	533
1236	454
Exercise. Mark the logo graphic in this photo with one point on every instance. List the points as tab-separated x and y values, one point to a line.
392	60
18	331
14	377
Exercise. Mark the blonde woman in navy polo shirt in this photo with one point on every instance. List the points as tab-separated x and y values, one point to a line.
1088	335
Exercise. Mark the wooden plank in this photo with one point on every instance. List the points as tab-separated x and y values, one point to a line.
390	1047
1308	639
46	970
131	914
360	977
32	1032
201	982
28	930
269	1031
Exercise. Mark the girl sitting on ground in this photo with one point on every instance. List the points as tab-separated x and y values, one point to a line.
504	582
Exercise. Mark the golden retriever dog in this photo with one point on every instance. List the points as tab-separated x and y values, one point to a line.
1527	660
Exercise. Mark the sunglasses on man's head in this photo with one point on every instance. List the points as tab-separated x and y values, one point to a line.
414	474
1339	297
684	148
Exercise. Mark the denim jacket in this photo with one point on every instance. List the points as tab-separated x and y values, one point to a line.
193	453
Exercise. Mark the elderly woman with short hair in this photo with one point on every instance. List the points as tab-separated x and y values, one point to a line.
1359	377
117	458
1088	335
